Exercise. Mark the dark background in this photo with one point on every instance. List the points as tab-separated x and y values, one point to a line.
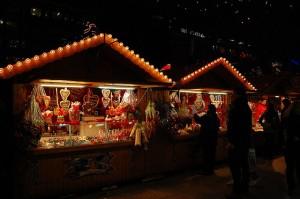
259	37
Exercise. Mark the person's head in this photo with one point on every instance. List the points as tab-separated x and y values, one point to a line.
239	95
286	102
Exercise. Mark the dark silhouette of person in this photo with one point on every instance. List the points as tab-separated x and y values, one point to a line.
292	157
284	122
271	125
239	126
210	124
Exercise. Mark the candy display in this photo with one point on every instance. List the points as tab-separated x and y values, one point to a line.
76	118
184	106
74	112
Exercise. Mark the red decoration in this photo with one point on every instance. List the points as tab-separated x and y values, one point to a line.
166	67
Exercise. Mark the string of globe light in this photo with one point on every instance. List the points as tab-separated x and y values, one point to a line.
209	66
40	60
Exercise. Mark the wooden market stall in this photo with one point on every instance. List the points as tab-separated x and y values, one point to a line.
212	83
77	112
273	88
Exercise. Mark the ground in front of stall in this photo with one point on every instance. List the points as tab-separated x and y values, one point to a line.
190	185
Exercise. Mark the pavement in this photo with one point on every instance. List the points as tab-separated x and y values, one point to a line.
190	185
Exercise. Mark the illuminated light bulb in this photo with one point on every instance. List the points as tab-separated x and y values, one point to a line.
44	55
19	64
68	47
1	71
189	76
95	37
161	73
101	35
81	42
10	67
147	63
27	61
126	48
120	44
132	52
36	57
137	55
52	52
142	59
88	40
75	44
170	80
60	49
152	66
184	78
109	36
166	77
156	70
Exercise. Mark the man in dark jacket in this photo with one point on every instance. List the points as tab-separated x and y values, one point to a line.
210	124
239	126
292	150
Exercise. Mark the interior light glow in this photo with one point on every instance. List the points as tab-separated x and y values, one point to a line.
117	87
203	91
62	85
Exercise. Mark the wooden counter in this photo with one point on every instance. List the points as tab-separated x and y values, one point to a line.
67	170
60	171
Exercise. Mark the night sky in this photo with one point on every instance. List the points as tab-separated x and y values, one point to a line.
259	37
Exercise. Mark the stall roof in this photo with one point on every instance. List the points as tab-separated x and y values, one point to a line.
218	74
284	84
97	58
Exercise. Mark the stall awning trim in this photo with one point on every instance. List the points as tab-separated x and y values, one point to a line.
218	62
70	49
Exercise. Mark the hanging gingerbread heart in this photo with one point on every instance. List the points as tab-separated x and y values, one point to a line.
93	99
105	102
64	93
88	108
105	93
65	105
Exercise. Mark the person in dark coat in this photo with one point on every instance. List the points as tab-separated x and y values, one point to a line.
284	122
292	149
210	124
271	125
239	126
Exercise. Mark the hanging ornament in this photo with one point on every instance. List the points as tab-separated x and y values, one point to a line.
65	103
47	99
90	102
34	113
105	97
56	108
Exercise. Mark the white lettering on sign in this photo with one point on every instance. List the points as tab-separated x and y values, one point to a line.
191	32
